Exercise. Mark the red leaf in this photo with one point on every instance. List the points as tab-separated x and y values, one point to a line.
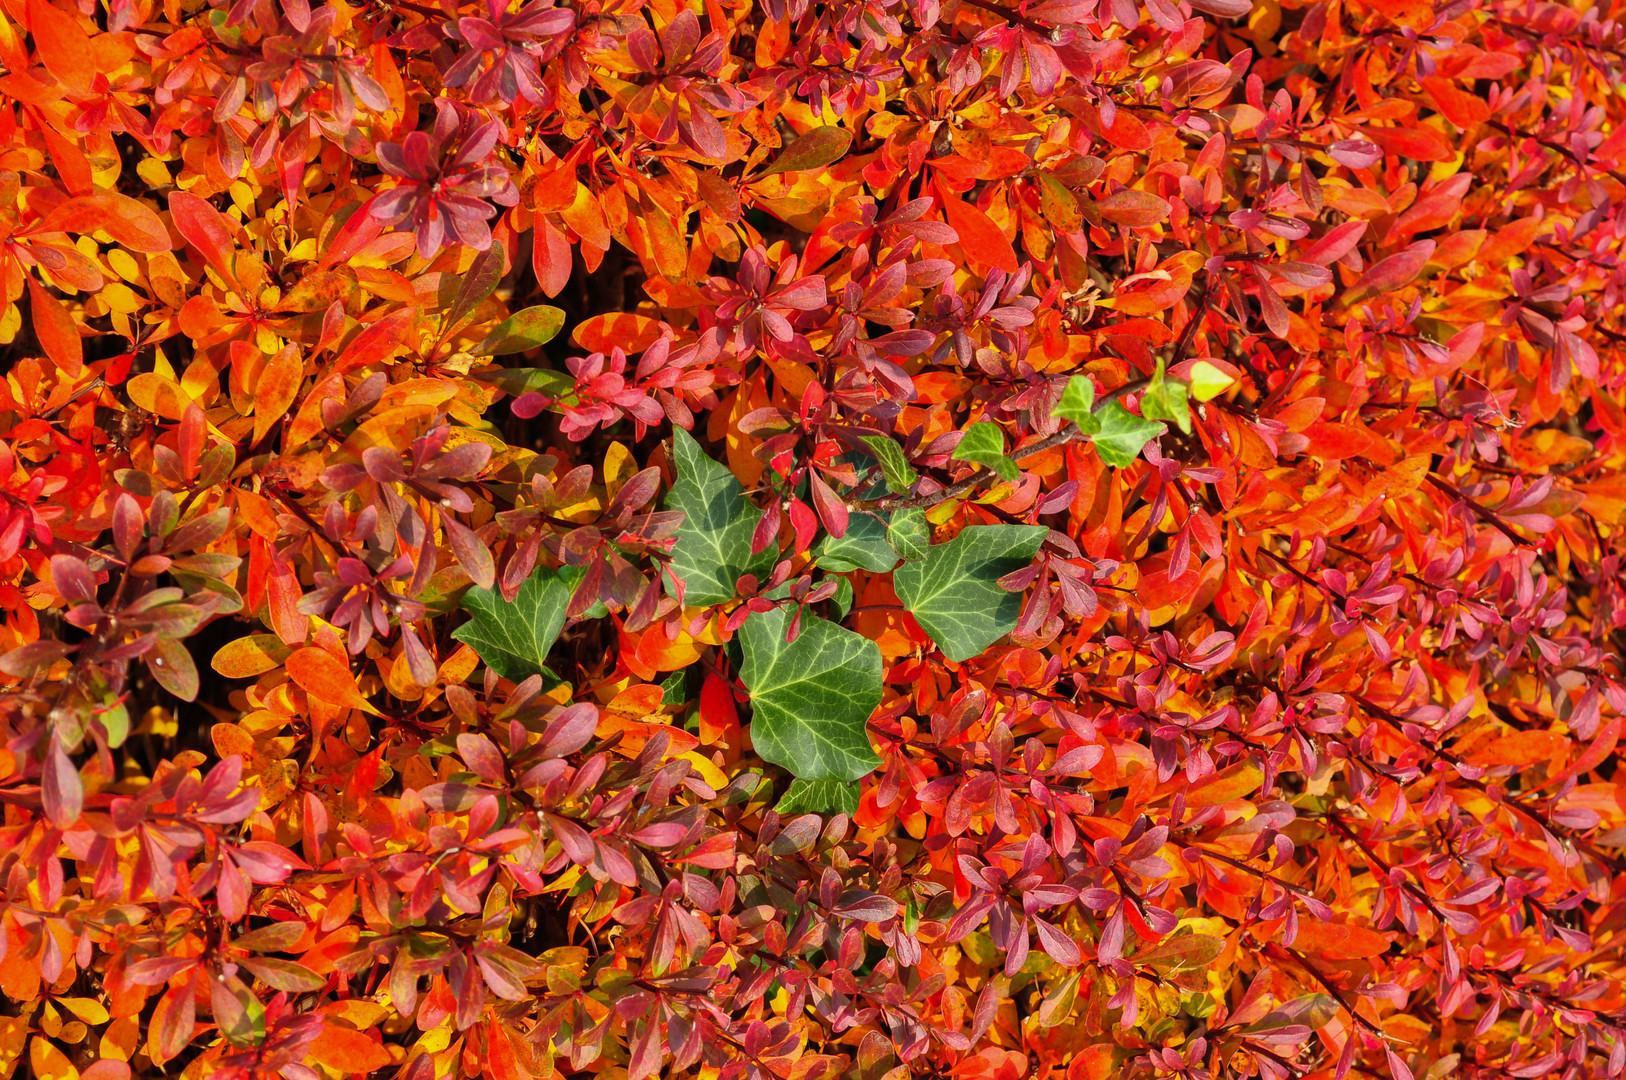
60	787
832	511
206	229
378	342
1390	274
1137	209
980	239
550	257
55	328
173	1023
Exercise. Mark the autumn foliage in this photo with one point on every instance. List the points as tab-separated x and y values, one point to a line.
795	540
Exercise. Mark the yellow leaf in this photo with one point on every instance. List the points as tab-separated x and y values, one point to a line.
249	656
13	1036
710	773
49	1063
619	467
1208	381
359	1012
89	1010
158	395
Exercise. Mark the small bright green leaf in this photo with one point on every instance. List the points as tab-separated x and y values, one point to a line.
813	149
900	475
116	722
864	547
984	444
714	544
819	797
1076	404
1165	399
954	592
1122	434
514	639
910	534
528	329
811	699
1208	382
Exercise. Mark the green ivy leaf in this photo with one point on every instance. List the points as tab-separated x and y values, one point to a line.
909	533
984	444
1165	399
811	699
864	547
819	797
900	475
674	688
954	591
842	601
514	638
1076	404
1122	434
714	545
528	329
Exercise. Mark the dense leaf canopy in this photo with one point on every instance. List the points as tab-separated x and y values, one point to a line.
797	540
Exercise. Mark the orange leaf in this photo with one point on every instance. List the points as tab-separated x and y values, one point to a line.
1519	749
1236	782
378	342
1417	144
1332	442
550	257
1463	109
63	44
633	333
320	674
719	719
54	327
509	1055
129	221
980	239
1510	240
1337	941
344	1050
277	387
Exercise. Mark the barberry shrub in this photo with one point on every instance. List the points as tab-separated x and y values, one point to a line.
786	540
